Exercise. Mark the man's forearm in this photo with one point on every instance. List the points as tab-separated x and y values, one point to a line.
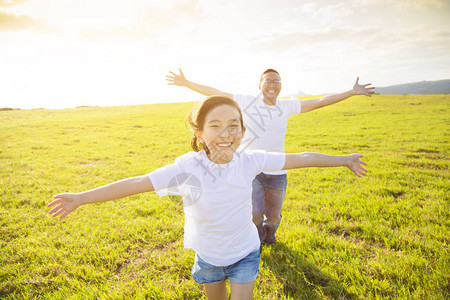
202	89
335	98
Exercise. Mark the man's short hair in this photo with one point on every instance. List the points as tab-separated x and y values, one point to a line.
269	71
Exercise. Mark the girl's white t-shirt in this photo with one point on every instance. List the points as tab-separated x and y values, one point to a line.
266	125
217	201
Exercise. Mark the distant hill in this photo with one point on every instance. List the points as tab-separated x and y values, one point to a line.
417	88
301	93
298	94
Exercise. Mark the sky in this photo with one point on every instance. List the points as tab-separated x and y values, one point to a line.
68	53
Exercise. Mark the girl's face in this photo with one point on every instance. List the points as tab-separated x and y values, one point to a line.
222	133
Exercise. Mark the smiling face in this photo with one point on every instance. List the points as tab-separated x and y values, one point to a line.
270	87
222	133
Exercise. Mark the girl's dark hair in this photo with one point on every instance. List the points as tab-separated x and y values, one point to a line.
195	119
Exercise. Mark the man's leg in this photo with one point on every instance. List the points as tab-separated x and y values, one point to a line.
258	196
275	190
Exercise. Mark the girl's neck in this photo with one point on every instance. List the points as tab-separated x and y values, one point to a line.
220	159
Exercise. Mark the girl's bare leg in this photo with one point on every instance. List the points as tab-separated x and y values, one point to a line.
216	290
242	291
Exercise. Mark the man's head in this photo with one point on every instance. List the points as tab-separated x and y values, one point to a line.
270	85
269	71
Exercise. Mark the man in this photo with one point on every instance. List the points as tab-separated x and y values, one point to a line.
265	118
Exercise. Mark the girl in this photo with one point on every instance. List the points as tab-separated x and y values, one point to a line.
215	183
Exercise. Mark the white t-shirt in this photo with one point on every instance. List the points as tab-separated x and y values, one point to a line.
217	201
266	124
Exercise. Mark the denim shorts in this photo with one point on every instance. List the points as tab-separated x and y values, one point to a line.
244	271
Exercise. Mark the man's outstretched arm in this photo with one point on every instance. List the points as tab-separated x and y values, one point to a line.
358	89
180	80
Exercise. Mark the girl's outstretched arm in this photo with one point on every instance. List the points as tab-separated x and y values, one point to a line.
68	202
311	159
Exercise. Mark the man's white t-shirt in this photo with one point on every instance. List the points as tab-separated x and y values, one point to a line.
266	125
217	201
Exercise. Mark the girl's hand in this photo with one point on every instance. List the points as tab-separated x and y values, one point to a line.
65	204
356	164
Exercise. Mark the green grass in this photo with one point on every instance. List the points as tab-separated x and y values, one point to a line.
385	236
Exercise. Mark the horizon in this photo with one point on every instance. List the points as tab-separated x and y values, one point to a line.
7	108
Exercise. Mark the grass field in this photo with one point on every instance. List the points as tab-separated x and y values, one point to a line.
385	236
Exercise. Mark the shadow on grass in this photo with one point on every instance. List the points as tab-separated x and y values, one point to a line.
300	278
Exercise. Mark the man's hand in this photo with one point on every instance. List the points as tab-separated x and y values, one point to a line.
175	79
359	89
179	79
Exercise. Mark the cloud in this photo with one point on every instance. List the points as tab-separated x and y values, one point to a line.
422	44
291	41
153	21
190	9
418	4
12	22
7	3
423	4
409	51
339	10
402	4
